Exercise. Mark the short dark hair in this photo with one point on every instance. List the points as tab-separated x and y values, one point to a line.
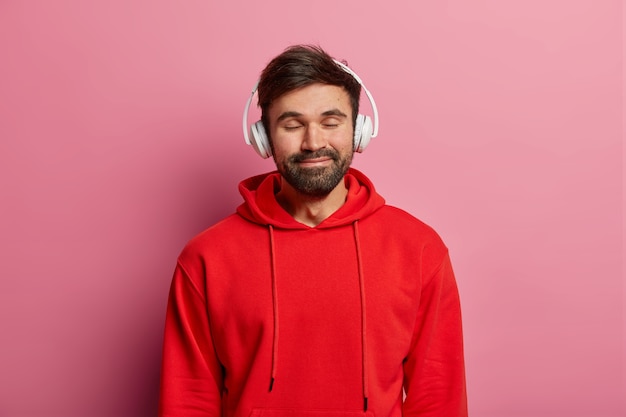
297	67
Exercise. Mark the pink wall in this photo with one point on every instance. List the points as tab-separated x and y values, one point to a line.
501	126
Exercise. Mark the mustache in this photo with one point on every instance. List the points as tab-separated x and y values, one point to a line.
320	153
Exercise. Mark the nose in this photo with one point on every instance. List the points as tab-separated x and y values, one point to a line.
314	138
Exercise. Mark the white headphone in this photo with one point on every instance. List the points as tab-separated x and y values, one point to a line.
364	129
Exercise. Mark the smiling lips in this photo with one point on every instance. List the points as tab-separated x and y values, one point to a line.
315	161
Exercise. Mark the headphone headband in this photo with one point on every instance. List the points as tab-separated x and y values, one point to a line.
367	93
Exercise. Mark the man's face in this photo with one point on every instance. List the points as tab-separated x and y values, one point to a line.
312	137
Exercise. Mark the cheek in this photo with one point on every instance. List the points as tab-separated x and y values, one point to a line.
281	150
344	142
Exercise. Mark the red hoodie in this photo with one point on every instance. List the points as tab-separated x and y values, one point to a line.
270	317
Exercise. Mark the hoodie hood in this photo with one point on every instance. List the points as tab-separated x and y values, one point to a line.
260	205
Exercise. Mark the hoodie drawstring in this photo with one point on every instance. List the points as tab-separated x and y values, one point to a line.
363	321
274	308
364	359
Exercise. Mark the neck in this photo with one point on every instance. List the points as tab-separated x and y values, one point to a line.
311	210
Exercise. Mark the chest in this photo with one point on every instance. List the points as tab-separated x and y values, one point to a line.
321	281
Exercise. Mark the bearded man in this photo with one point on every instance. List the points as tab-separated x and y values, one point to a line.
315	298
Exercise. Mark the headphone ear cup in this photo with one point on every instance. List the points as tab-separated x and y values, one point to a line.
362	132
260	141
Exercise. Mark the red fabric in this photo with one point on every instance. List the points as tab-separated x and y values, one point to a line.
220	323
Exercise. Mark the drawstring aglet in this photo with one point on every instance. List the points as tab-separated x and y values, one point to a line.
271	383
364	404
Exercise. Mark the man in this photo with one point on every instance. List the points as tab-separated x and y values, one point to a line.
315	298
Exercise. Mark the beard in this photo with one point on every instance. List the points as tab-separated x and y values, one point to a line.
315	181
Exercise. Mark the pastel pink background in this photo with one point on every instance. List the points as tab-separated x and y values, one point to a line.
120	139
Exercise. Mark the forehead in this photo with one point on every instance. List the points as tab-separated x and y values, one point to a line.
312	100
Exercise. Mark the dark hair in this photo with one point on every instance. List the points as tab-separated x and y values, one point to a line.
299	66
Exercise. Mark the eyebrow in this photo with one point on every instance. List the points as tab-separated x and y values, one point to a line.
334	112
331	112
288	114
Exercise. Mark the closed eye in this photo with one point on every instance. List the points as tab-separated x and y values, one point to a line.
334	118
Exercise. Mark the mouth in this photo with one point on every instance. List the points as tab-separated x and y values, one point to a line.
315	162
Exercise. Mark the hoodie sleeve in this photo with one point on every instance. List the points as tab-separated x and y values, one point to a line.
191	375
434	371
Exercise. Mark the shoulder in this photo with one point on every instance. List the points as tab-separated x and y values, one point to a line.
402	222
395	228
229	234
